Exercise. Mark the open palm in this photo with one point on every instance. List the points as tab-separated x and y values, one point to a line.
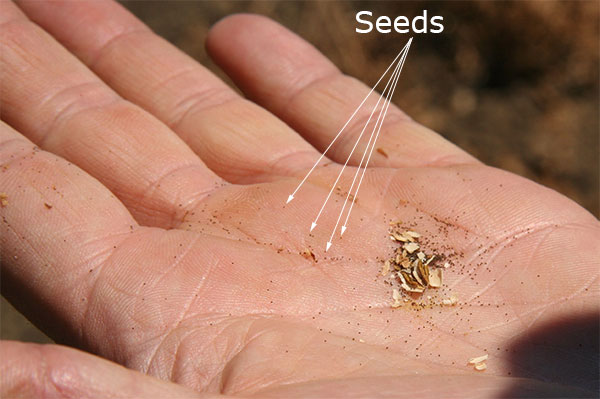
192	268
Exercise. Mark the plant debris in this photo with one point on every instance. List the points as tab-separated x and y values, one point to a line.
479	362
382	152
453	300
435	278
481	366
411	267
478	359
397	297
308	254
411	247
386	268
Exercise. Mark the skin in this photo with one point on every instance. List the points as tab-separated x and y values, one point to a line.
146	224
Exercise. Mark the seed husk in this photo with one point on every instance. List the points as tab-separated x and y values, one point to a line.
480	366
408	278
386	268
412	289
396	297
453	300
435	277
415	274
406	285
413	234
423	270
399	237
411	247
478	359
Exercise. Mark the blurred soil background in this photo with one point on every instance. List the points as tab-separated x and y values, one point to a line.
514	83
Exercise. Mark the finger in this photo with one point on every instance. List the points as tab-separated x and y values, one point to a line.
53	371
292	79
426	386
74	260
58	225
60	105
237	139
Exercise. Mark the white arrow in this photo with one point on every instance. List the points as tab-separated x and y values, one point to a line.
359	137
291	197
328	246
388	96
376	136
312	226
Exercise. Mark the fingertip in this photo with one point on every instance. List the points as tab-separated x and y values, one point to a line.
239	21
248	46
258	32
231	30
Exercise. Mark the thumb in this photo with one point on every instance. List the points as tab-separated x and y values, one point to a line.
53	371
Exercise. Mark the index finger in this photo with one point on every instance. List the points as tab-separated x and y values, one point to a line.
58	226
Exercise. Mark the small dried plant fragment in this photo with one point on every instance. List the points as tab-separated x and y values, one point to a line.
435	278
408	283
411	247
382	152
385	270
397	298
480	366
308	254
479	362
412	268
412	234
453	300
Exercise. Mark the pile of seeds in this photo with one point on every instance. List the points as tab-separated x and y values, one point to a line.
414	270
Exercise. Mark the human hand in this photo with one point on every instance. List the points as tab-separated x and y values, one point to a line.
166	246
